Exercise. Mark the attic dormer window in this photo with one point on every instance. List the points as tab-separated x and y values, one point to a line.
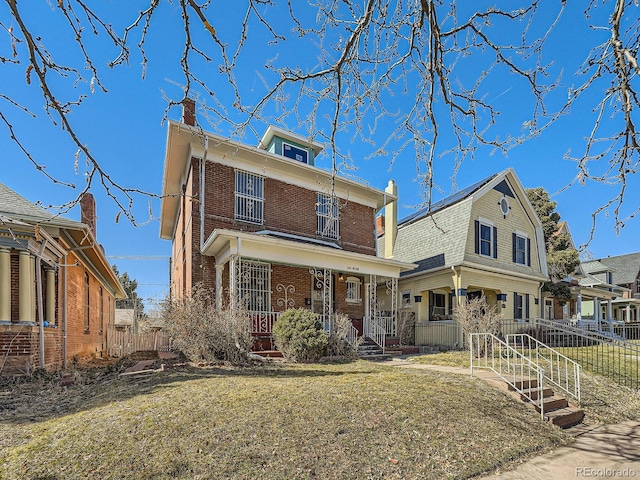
295	153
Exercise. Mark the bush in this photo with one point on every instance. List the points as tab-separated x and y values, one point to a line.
203	333
299	335
338	344
476	316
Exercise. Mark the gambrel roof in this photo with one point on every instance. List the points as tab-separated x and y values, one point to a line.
436	237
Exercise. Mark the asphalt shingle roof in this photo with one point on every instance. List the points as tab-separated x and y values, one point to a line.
15	206
625	267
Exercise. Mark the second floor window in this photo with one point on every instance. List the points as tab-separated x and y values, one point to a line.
328	212
249	197
486	239
521	249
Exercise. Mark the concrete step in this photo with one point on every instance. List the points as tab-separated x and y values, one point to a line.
565	417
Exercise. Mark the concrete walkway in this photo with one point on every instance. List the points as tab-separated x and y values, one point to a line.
605	451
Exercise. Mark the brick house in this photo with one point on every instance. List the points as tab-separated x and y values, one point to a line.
51	268
265	225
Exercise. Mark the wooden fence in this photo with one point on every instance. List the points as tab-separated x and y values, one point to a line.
123	342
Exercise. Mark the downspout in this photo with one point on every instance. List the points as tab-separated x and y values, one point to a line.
64	313
203	164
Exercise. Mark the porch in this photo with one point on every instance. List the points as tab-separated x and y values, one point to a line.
271	273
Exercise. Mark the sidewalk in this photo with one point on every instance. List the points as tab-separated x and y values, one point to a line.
605	451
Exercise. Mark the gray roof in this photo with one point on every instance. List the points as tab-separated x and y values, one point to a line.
446	202
625	267
16	207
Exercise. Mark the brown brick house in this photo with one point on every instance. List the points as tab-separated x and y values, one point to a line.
51	269
266	225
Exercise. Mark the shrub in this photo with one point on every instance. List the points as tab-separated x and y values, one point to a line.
203	333
299	335
476	316
338	344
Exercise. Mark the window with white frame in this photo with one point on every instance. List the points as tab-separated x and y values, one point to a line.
520	249
328	212
249	197
486	239
353	290
255	286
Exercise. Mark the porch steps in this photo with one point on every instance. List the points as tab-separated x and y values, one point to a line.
369	350
557	409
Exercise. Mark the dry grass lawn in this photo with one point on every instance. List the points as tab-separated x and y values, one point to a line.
332	421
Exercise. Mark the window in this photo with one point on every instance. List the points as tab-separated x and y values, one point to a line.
101	312
255	286
520	306
353	290
86	302
439	304
486	239
521	249
327	209
406	299
249	197
294	153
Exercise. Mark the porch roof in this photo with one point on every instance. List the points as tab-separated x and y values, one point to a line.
591	292
223	243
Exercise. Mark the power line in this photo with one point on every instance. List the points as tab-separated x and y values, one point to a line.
138	257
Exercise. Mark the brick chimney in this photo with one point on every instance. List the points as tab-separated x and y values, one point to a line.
379	225
189	111
88	212
390	220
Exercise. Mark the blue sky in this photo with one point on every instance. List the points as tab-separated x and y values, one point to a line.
123	130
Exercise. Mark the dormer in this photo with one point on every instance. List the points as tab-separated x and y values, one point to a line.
290	145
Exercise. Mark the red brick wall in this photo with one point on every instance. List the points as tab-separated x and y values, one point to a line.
287	208
81	342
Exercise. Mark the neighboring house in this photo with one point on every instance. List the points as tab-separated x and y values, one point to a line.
264	225
486	240
620	276
51	269
125	320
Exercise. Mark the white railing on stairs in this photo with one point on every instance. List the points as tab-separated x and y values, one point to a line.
559	370
491	353
375	331
352	335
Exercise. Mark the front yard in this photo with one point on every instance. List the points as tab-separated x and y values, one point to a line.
340	421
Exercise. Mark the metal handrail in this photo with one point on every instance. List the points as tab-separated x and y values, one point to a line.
563	372
376	332
508	363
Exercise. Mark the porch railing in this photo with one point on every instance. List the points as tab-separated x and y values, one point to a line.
486	351
374	329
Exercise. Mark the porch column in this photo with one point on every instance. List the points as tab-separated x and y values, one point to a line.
32	261
579	307
5	284
219	272
25	288
50	315
233	286
627	316
596	310
367	304
610	314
